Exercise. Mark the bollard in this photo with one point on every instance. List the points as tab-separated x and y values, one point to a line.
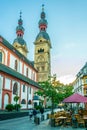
37	120
47	116
53	122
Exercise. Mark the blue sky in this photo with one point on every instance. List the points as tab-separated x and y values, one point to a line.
67	28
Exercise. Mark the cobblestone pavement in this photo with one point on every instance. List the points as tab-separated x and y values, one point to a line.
25	123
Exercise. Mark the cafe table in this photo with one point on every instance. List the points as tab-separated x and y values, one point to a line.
62	118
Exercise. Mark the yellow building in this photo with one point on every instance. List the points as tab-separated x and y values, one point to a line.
42	59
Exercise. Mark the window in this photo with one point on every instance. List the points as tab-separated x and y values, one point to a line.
0	57
16	65
29	102
40	50
15	88
38	68
27	72
23	88
43	68
23	101
30	90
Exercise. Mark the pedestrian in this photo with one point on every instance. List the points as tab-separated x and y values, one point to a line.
42	111
30	113
34	113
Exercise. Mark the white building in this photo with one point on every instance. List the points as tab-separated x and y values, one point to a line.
80	84
17	74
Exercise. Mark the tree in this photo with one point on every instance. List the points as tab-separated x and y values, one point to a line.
17	106
55	91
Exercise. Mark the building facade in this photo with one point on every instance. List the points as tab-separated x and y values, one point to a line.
17	73
42	58
80	84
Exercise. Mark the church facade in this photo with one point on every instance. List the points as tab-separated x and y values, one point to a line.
17	74
20	76
42	57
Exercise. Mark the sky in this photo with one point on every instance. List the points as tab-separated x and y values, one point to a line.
67	29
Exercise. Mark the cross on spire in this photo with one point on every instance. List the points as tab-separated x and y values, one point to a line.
20	14
42	7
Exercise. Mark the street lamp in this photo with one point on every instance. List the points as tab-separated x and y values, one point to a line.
53	85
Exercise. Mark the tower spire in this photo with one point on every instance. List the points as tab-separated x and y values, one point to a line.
19	43
42	7
42	22
19	28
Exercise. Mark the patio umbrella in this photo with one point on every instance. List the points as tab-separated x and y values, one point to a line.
75	98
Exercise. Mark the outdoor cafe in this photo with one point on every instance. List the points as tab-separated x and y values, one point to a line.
76	118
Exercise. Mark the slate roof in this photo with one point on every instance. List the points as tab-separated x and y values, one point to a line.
8	45
20	40
44	35
8	70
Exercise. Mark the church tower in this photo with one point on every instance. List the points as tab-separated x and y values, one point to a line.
19	43
42	59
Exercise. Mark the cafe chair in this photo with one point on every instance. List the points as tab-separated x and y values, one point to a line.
68	121
81	122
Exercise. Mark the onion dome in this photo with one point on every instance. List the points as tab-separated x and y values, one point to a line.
43	34
43	25
20	32
19	43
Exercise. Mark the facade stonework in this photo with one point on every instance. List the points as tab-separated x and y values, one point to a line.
42	58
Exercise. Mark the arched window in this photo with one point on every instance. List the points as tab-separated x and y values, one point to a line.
29	102
40	50
15	88
0	57
23	101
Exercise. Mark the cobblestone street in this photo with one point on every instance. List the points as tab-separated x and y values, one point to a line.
25	123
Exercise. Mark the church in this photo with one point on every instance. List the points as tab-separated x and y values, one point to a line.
18	75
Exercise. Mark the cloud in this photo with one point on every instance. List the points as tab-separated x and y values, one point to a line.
66	79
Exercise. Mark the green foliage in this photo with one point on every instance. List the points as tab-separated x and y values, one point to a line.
16	98
17	106
9	107
55	91
38	107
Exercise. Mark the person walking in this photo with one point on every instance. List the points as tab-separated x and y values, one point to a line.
30	113
34	114
42	111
